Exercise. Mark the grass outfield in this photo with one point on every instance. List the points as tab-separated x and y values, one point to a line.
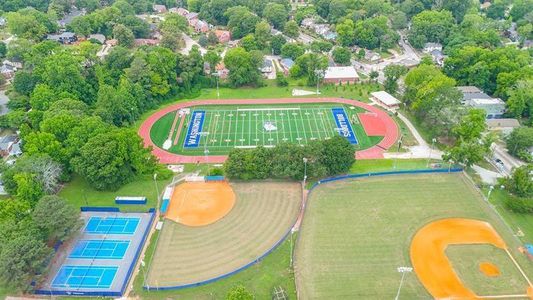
231	126
357	232
263	213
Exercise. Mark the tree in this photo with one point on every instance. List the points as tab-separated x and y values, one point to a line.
28	188
212	58
243	69
212	38
291	29
519	141
292	50
3	49
248	42
520	102
373	75
470	146
262	34
276	14
281	80
241	21
521	182
346	33
392	74
111	159
22	257
338	155
123	35
25	25
321	46
38	143
342	55
430	26
398	20
56	218
239	293
277	43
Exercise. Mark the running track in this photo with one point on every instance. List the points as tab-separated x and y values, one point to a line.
165	157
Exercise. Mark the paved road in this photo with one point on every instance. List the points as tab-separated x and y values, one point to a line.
408	53
509	162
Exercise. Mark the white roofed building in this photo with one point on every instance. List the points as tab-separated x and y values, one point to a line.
385	99
339	75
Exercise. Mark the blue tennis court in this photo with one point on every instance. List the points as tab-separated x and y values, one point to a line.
88	277
100	249
112	225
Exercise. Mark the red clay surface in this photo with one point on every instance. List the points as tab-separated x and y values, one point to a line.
372	124
390	128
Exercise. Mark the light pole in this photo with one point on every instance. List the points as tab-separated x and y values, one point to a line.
319	74
433	140
402	270
206	151
305	169
399	147
490	192
217	75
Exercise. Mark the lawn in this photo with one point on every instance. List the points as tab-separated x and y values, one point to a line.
357	232
273	271
245	126
380	165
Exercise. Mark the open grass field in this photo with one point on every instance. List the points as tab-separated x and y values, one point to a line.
262	215
230	126
357	232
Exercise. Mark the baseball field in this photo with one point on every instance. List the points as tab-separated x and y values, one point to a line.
356	233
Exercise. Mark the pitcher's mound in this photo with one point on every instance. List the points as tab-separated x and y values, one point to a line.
200	203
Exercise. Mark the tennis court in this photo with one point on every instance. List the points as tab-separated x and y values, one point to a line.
94	277
101	249
111	225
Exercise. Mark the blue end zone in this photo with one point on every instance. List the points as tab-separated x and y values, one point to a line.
100	249
93	277
111	225
164	206
192	140
344	125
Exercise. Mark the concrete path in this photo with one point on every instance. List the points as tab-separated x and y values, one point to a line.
487	176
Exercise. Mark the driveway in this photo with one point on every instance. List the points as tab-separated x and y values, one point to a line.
189	42
509	162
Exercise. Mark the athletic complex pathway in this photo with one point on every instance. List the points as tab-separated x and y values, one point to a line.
165	157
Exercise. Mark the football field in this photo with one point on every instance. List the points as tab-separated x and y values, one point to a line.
219	129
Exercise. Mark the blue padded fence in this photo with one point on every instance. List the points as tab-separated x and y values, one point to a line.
214	178
100	209
330	179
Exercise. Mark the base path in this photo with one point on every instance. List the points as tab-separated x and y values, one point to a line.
431	264
165	157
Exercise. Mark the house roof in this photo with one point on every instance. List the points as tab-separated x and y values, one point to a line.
98	37
469	89
433	45
385	98
340	72
191	15
15	149
287	62
486	101
494	123
267	63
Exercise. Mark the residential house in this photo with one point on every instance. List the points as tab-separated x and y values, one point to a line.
339	75
233	43
8	68
485	5
223	36
385	99
267	66
308	23
505	126
6	143
97	37
528	44
192	18
201	26
320	29
145	42
63	38
160	9
286	64
474	97
438	57
67	19
429	47
180	11
372	56
15	150
222	71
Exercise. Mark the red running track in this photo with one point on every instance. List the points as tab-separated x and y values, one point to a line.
165	157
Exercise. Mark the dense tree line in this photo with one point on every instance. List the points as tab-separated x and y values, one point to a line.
286	161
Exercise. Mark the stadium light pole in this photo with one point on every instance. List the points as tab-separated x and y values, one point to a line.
319	74
402	270
217	75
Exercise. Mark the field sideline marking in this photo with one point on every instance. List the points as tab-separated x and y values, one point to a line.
518	266
269	109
